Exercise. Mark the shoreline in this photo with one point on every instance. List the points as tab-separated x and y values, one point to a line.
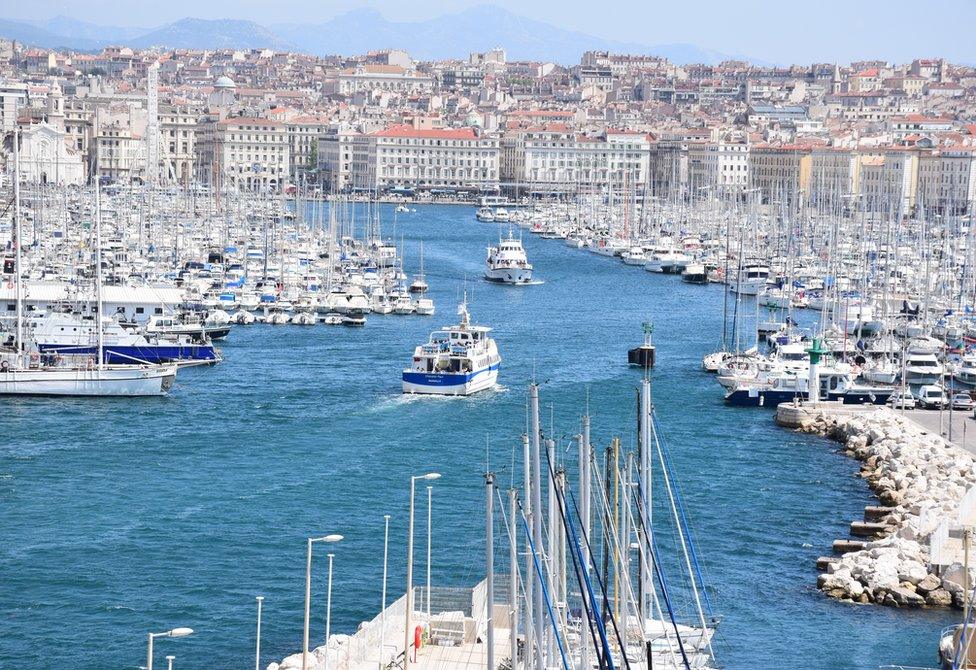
911	557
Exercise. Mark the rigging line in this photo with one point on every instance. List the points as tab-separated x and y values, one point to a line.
589	600
545	594
510	529
603	588
661	581
683	519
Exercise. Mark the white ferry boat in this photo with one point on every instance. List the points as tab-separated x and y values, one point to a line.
458	360
507	263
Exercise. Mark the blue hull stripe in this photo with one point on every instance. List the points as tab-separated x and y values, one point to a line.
125	354
444	379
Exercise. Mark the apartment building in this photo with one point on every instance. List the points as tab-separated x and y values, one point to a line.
722	165
401	156
551	160
177	143
335	157
780	172
243	152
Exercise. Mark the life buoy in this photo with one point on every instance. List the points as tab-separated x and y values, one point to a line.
4	366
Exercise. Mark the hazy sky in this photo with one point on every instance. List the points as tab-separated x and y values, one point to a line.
773	30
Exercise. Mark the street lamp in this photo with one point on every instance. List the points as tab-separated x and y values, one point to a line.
328	613
169	662
430	476
430	490
176	632
257	644
386	548
308	589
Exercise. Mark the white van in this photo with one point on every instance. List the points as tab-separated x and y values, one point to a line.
932	397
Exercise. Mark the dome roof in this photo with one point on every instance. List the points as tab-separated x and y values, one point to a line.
224	82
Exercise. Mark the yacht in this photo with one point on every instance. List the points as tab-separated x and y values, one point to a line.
695	273
423	306
457	360
507	263
486	214
922	368
189	324
751	280
74	335
836	384
501	214
965	372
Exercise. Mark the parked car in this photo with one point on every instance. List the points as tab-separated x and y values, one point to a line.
902	400
932	397
963	402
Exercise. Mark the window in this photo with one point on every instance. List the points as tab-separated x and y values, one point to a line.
158	310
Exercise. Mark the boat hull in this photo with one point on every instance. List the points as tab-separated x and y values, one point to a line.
93	383
127	355
458	384
755	397
509	275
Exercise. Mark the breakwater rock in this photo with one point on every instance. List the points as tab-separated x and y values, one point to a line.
922	480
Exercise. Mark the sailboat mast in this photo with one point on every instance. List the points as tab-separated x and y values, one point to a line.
538	620
98	272
19	290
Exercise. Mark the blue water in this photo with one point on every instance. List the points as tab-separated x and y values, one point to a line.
121	517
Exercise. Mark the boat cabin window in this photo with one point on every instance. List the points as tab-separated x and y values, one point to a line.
158	310
140	310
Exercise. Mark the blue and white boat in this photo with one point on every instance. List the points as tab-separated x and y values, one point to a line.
74	335
457	360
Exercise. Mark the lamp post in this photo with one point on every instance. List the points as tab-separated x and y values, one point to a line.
257	644
169	662
176	632
328	613
386	548
308	590
430	490
430	476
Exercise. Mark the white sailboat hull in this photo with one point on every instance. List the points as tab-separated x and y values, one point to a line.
115	381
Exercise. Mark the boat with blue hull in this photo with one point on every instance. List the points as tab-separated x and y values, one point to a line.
457	360
835	384
74	335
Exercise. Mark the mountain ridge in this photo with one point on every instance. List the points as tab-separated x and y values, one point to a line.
448	36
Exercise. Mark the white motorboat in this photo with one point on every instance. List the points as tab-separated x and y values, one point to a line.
507	263
457	360
485	214
424	306
751	280
922	368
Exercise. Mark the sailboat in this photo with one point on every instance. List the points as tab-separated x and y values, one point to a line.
26	371
419	284
599	589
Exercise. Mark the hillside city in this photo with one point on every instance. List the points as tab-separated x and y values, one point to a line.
898	135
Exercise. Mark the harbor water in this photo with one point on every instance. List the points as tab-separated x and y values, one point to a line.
122	517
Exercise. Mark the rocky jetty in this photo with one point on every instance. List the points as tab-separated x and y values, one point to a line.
921	479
